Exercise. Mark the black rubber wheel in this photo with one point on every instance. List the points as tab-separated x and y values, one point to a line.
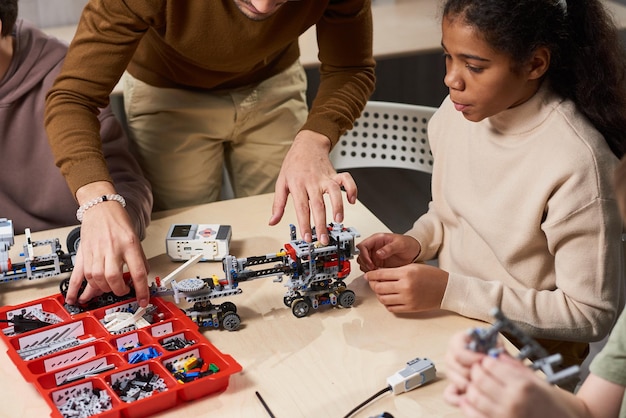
300	308
228	307
346	298
64	285
73	309
73	240
231	321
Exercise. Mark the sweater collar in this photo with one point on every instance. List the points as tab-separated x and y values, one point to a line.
527	116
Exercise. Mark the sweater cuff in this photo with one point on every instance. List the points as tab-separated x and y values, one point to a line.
457	295
325	127
85	172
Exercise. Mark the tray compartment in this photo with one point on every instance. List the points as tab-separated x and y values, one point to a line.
68	357
48	307
163	397
205	384
85	369
132	340
59	398
62	375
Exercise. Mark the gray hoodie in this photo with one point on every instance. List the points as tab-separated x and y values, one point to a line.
33	193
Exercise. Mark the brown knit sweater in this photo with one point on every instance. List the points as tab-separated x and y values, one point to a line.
202	45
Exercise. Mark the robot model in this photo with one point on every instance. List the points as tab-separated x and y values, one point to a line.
35	266
484	340
315	274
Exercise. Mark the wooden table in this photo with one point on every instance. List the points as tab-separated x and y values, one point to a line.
321	365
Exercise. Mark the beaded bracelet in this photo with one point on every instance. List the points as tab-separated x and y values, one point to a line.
105	198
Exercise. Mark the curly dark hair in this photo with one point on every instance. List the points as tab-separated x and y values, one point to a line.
8	16
587	64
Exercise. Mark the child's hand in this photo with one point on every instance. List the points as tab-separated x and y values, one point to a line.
387	250
459	362
410	288
504	387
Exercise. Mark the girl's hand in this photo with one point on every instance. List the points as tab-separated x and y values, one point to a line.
410	288
387	250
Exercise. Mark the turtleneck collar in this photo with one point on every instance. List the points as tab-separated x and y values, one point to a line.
524	118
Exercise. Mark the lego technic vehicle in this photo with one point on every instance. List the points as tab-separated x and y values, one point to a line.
35	266
316	277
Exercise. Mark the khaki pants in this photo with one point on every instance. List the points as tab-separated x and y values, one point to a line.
183	138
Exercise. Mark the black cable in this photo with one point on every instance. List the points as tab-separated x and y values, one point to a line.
267	408
368	400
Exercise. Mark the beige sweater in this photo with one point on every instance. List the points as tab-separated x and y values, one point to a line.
523	218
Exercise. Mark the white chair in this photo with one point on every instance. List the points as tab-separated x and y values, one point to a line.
387	134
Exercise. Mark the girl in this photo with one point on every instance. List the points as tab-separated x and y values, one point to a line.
483	386
522	215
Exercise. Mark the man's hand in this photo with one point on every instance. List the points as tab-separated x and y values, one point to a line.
107	243
308	175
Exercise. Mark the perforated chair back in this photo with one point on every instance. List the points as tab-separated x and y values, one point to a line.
387	135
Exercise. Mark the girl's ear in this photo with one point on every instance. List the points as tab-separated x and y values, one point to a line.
539	63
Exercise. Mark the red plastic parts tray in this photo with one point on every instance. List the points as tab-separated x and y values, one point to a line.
54	375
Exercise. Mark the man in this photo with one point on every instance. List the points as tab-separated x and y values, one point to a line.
208	81
33	193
